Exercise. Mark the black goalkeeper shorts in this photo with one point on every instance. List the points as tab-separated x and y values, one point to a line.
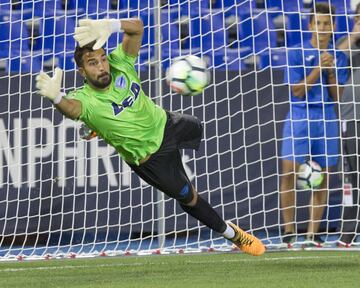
164	169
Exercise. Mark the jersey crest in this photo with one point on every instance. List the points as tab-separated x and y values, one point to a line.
120	82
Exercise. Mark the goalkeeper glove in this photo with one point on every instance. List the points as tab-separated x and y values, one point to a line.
96	30
50	87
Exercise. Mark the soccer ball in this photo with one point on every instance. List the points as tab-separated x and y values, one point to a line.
309	175
188	75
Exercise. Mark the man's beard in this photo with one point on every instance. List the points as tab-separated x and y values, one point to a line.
101	84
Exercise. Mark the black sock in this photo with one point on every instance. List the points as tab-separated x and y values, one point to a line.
206	215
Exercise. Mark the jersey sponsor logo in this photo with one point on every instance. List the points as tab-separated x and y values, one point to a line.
120	82
309	58
128	101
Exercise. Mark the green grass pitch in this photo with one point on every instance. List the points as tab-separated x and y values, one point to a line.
280	269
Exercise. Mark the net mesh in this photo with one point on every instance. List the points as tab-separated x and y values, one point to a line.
61	195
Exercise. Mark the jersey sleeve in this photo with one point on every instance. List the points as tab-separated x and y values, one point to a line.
342	63
118	55
75	95
294	73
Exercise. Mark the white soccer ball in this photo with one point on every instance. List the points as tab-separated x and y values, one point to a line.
188	75
309	175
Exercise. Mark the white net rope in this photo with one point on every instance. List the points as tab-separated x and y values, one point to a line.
61	195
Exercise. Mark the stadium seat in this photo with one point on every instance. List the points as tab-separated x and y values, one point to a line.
4	5
284	6
147	45
66	60
90	7
264	33
42	5
14	36
297	28
279	9
231	3
228	59
274	58
257	32
211	30
344	25
58	38
170	33
24	63
170	36
235	7
25	9
141	5
58	33
15	45
186	4
31	9
190	30
197	29
40	8
146	55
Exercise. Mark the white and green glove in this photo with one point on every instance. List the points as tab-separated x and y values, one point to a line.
96	30
50	87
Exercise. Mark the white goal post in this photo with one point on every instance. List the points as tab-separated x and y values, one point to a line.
61	196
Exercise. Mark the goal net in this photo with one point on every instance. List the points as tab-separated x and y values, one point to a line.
61	196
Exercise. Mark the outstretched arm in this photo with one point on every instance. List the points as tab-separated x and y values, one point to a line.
50	88
133	32
100	30
69	108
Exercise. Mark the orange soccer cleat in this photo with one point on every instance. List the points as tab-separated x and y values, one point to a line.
246	242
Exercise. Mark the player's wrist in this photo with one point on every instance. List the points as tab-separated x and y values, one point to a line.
58	98
115	25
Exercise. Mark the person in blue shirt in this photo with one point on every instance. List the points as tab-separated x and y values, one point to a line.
316	74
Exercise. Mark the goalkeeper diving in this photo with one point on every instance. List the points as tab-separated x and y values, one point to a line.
149	138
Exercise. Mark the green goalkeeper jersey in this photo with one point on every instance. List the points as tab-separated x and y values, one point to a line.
123	115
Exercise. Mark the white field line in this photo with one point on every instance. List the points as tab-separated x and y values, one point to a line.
166	263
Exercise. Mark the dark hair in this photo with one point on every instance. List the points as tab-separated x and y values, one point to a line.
322	8
80	51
